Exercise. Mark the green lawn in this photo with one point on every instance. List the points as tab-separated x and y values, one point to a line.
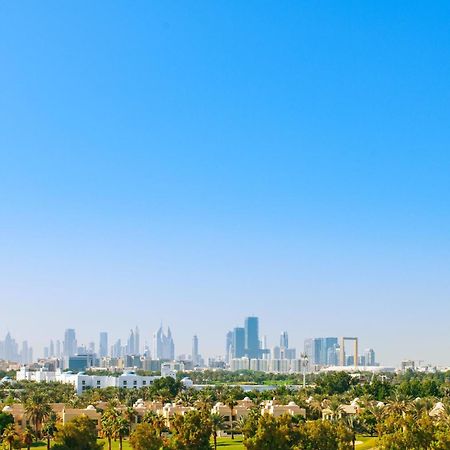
227	443
115	445
367	443
230	444
222	443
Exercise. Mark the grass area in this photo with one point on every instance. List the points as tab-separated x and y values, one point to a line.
230	444
226	443
368	443
115	445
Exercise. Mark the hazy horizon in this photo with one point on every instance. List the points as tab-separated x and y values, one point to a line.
197	163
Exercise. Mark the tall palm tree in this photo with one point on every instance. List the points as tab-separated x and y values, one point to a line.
108	423
160	424
217	424
156	421
37	410
130	415
28	437
336	410
9	435
231	403
185	398
121	428
149	416
49	428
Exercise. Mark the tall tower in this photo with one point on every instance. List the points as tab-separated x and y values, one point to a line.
284	340
229	346
195	358
252	344
137	343
130	343
163	345
103	344
238	342
70	343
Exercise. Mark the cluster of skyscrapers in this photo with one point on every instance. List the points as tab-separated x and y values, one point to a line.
243	349
330	351
244	341
9	351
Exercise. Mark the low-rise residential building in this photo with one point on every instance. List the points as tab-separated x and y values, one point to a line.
82	381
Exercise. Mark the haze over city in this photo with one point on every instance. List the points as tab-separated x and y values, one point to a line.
194	164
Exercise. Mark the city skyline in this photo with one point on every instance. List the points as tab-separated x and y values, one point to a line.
218	160
240	342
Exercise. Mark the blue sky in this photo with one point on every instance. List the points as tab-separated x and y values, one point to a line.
197	162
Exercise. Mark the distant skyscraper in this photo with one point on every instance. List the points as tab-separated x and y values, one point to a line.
252	344
321	351
70	343
116	349
137	343
238	342
130	344
276	352
369	357
229	346
163	346
91	348
284	340
195	355
51	349
58	349
24	354
103	344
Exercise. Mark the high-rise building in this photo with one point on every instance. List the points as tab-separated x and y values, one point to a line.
163	345
103	344
229	347
252	343
130	344
321	351
238	342
51	349
58	349
25	353
284	340
70	343
369	357
117	350
137	343
195	355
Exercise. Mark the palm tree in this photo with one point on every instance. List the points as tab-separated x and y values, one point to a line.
204	400
130	415
108	421
160	424
155	420
28	437
9	435
217	424
231	403
37	410
149	417
336	410
121	428
185	398
49	428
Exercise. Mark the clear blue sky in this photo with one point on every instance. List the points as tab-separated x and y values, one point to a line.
197	162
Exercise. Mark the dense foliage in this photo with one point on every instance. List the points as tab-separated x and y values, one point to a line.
397	409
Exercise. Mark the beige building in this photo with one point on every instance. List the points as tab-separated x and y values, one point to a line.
63	414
